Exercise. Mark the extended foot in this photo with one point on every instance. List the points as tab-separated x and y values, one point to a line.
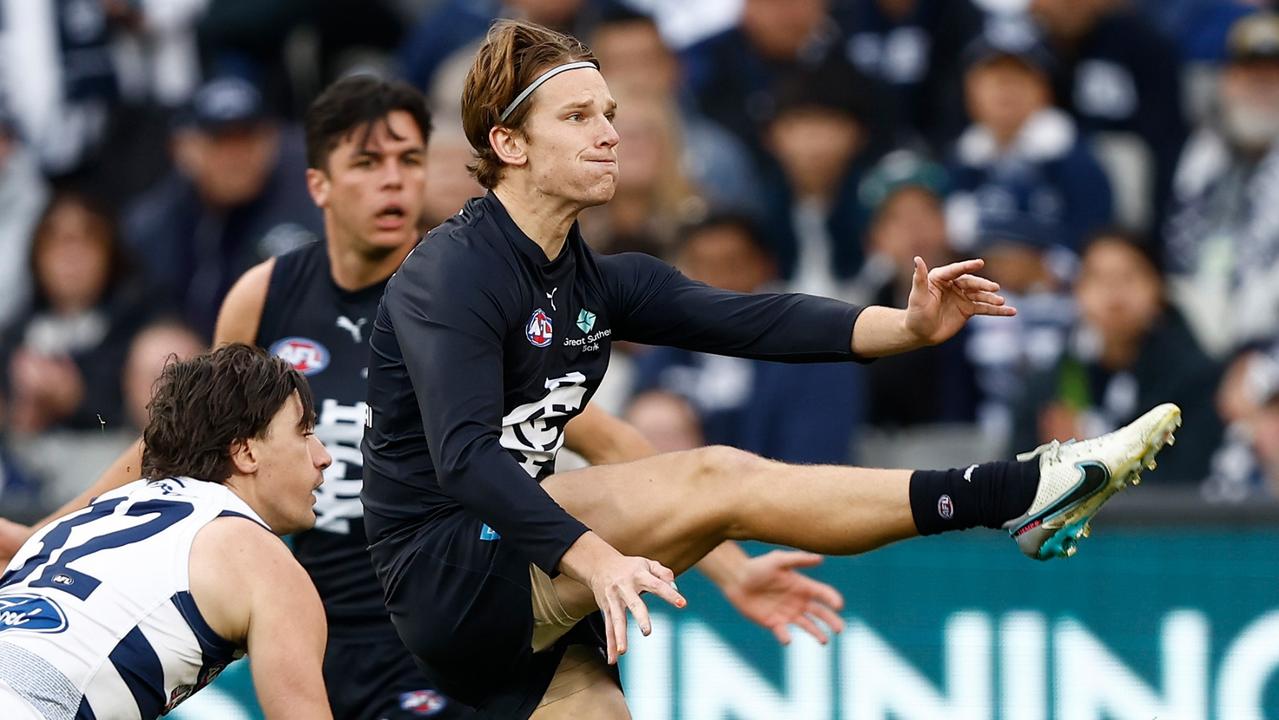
1077	478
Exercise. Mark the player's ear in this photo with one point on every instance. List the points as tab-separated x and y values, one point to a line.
508	144
244	457
318	184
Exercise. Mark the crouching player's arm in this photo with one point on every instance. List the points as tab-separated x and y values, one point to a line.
251	591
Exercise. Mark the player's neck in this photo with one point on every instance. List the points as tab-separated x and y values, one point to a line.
545	223
355	270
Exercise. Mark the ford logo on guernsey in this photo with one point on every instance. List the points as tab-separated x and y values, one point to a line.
32	613
538	330
305	355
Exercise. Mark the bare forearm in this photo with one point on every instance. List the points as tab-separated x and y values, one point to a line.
882	331
723	564
603	439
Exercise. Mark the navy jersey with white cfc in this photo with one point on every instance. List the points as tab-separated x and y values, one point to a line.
483	349
96	614
322	330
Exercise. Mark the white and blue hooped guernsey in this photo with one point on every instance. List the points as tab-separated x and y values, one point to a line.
96	615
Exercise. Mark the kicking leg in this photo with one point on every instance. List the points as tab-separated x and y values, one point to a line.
675	508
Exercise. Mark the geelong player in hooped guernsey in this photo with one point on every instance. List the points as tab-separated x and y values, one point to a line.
129	606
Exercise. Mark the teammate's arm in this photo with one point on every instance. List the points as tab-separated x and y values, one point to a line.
252	591
241	311
603	439
237	322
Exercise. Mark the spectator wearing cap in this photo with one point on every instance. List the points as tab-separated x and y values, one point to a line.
821	142
1129	349
1223	229
912	47
792	413
1121	79
1021	149
237	198
23	194
903	197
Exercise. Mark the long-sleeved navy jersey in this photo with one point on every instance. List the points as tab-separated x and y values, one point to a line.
483	349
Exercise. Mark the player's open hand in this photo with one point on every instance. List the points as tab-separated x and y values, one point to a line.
617	587
12	535
942	299
771	591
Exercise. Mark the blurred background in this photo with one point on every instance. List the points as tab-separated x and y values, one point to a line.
1116	162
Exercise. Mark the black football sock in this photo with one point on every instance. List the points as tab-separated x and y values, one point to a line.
985	495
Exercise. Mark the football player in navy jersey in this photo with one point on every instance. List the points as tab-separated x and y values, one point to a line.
314	307
495	332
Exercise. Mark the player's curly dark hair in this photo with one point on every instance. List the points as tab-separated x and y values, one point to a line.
201	407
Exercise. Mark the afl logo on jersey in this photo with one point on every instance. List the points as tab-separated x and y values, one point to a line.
306	356
538	330
31	612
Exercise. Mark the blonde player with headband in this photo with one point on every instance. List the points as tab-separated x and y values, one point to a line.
511	585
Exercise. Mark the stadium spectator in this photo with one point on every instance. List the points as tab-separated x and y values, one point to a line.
62	360
734	75
23	194
59	79
913	48
903	195
1034	272
802	414
666	420
1129	348
1247	463
1020	145
237	198
822	142
1223	232
455	24
152	348
1117	74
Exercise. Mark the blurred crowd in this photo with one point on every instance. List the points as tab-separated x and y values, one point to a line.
1116	162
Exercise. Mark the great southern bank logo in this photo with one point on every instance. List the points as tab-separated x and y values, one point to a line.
538	330
32	613
305	355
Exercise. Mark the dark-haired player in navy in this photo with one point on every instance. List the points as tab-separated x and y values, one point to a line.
496	331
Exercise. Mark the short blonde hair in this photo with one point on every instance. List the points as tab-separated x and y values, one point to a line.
513	54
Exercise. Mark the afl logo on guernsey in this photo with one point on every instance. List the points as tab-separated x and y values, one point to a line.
538	330
306	356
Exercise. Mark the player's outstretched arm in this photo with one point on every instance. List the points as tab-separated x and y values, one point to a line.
252	591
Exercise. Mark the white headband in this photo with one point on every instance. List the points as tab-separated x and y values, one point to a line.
538	82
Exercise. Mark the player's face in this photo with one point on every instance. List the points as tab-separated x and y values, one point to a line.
570	141
373	192
291	461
